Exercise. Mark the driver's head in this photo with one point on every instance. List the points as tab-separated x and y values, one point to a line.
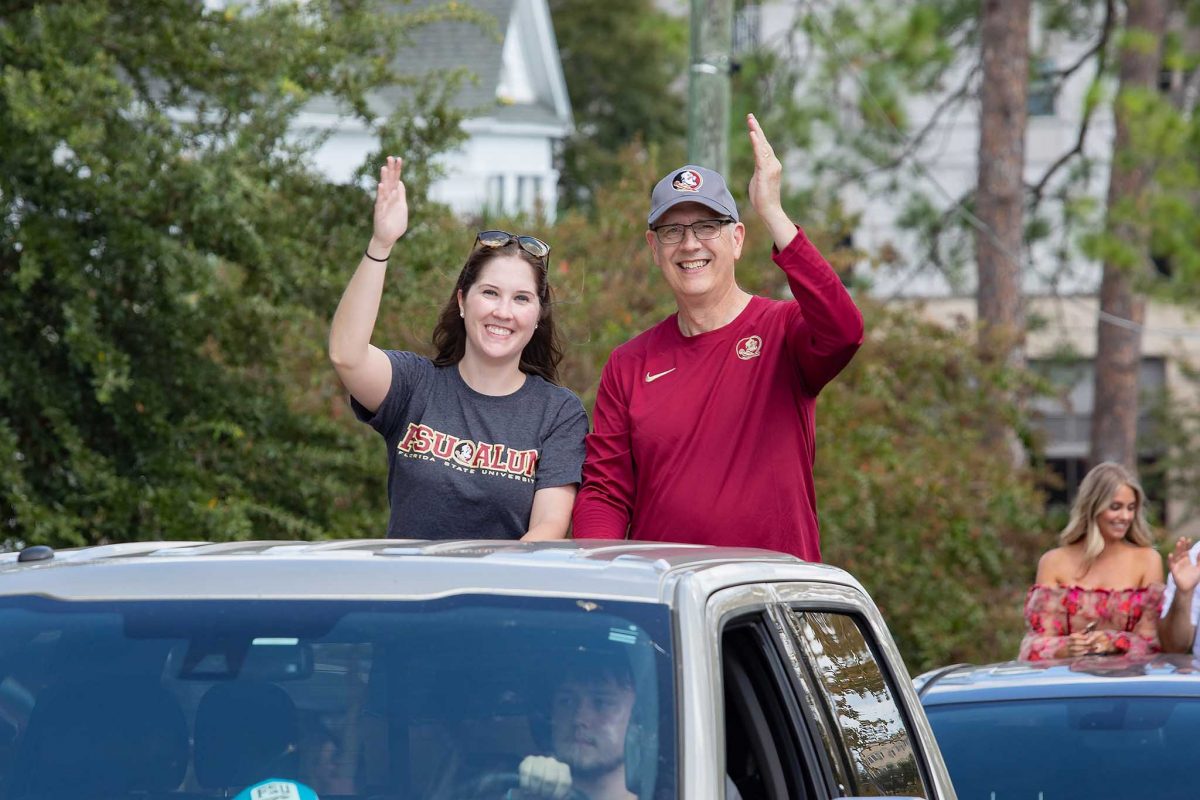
592	705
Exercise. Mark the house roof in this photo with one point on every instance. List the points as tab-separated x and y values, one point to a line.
479	49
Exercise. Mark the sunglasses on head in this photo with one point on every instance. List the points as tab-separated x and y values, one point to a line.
530	244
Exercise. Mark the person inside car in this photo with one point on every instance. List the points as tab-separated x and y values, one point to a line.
591	711
482	441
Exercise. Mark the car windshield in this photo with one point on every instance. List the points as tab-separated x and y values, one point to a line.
1103	747
431	699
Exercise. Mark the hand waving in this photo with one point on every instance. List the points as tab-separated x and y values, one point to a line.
1185	573
391	204
767	179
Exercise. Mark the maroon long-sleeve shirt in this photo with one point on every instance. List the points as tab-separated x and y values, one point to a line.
709	439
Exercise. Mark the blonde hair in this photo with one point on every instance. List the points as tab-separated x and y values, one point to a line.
1095	493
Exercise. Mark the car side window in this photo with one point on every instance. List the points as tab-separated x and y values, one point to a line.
875	747
764	759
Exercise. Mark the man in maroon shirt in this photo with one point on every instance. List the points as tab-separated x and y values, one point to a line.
704	424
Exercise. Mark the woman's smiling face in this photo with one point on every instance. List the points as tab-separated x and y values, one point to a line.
500	310
1117	517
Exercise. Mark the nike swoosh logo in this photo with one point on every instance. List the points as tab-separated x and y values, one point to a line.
652	378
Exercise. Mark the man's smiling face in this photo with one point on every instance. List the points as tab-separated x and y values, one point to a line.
697	268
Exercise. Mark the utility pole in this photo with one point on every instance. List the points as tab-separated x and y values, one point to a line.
708	84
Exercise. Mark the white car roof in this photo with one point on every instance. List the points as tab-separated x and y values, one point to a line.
393	568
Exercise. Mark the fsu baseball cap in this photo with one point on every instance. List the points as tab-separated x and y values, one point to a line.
692	184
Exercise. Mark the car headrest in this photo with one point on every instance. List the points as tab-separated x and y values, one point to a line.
87	739
246	731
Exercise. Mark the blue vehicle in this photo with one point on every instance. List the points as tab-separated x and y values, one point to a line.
1093	727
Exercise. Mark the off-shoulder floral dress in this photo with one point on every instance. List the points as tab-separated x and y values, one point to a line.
1129	618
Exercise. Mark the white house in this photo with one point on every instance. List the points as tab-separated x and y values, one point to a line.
516	100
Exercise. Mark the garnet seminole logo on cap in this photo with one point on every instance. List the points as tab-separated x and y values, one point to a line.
687	180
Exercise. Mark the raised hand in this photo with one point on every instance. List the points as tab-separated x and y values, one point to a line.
391	205
1185	573
765	187
766	182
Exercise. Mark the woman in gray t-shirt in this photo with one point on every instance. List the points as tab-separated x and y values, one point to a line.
482	442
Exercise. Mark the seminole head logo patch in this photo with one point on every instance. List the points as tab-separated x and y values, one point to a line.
464	453
687	180
748	348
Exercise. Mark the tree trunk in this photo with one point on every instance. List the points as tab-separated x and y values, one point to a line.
1119	344
999	194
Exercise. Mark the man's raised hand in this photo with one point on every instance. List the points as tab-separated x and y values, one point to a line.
765	183
1185	573
766	186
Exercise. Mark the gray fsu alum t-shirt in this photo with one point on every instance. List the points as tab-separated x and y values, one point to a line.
465	465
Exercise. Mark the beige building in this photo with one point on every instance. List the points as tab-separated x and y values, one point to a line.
1064	347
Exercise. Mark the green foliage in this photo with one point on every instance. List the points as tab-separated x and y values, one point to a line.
168	261
1175	437
1164	145
622	60
938	526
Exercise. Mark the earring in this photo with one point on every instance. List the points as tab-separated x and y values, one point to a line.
461	314
535	326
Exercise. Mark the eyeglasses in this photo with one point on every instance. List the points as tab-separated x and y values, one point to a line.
703	229
530	244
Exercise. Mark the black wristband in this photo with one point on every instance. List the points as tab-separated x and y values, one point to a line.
373	258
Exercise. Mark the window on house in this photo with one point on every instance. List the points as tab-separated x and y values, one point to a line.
1043	88
1065	420
495	194
1163	265
529	193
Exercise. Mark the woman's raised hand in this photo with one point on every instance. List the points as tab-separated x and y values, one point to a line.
391	205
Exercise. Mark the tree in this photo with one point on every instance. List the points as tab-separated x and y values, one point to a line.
863	67
1000	190
1128	257
163	246
623	61
1000	187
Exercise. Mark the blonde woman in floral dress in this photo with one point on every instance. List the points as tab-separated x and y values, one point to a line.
1100	592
